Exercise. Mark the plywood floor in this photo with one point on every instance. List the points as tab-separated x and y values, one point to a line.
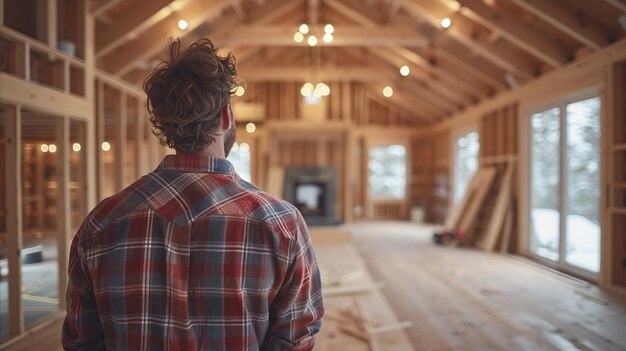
462	299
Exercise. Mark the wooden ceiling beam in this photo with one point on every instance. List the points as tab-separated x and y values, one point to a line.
445	90
346	10
412	102
566	21
469	87
299	73
618	4
410	116
99	7
522	36
462	30
123	60
426	79
373	92
343	36
131	23
272	12
457	55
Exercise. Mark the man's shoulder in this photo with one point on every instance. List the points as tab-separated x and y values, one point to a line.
113	208
279	215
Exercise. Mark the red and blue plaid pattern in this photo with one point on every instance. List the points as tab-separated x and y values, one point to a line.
191	257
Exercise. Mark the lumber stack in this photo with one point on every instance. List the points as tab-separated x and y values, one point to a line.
484	217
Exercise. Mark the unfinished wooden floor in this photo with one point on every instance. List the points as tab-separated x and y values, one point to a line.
462	299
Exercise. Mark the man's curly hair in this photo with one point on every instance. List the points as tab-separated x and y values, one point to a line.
186	95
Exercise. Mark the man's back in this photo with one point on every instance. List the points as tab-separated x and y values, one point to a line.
192	257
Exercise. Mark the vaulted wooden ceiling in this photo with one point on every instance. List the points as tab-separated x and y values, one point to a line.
492	45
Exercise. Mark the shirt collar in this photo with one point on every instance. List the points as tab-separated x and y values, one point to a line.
196	164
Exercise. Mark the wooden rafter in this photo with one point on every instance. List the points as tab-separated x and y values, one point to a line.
565	20
410	116
373	92
426	81
98	7
523	36
618	4
298	73
131	23
411	102
343	36
469	87
123	60
462	29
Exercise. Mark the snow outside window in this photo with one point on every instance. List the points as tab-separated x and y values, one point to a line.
387	171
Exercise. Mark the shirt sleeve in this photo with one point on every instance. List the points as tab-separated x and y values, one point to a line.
296	313
82	329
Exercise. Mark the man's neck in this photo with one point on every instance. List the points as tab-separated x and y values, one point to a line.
215	149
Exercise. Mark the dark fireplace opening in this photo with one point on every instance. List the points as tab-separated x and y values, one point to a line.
310	198
313	190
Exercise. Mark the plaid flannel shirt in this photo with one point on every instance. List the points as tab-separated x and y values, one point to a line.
191	257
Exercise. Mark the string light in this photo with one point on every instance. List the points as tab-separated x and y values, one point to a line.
106	146
328	38
182	24
76	147
387	91
405	70
250	127
235	147
312	41
304	28
240	91
44	148
298	37
244	147
307	89
446	22
52	148
329	29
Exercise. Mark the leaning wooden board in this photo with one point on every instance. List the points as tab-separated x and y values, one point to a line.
341	265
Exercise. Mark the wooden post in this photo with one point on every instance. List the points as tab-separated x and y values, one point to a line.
63	204
140	164
99	136
94	125
120	143
14	217
53	18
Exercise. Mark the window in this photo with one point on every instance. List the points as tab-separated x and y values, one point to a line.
239	156
466	162
387	171
565	184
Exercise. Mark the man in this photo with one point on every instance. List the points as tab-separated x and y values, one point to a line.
191	257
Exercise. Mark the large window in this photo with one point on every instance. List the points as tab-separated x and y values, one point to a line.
565	184
465	162
387	171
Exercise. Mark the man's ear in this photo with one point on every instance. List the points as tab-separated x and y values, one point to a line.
226	117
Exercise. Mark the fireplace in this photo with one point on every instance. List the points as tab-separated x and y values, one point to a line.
313	191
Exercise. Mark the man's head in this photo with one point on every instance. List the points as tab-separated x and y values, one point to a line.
189	98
